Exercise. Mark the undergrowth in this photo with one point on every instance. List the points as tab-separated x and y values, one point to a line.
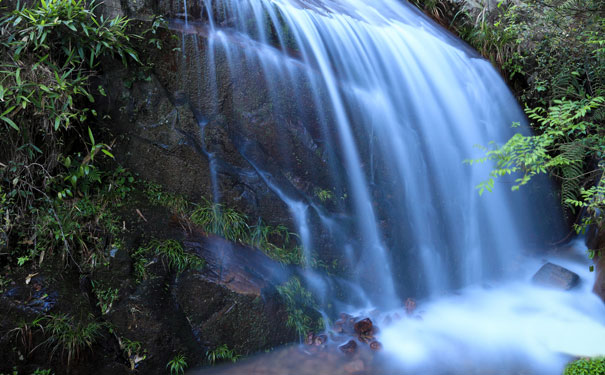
277	242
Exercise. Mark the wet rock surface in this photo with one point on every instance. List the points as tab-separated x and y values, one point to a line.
554	276
232	300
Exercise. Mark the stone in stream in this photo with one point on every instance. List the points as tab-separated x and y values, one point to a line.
410	306
320	340
364	327
551	275
310	338
375	346
349	348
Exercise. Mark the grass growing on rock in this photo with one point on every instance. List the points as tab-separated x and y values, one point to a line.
300	306
170	253
277	242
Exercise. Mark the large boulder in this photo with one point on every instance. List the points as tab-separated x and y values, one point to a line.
554	276
233	299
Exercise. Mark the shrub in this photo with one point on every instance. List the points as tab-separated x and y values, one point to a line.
586	366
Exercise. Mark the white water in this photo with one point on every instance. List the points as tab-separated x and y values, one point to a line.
513	327
400	104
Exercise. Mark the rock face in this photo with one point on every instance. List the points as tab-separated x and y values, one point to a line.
599	285
233	300
595	240
551	275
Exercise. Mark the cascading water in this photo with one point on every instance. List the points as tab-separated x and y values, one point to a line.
387	106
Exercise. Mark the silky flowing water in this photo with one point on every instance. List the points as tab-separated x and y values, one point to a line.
393	105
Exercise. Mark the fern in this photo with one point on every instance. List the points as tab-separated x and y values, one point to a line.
572	155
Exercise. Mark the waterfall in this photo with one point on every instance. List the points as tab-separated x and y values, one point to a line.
385	107
396	104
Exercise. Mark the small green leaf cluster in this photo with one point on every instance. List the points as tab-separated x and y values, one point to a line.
133	351
586	366
177	364
171	253
106	296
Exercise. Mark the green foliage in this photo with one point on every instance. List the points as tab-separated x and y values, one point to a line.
140	263
70	337
49	50
299	305
552	51
222	221
214	218
133	351
177	365
52	49
221	353
324	195
566	139
176	203
266	238
82	224
106	296
226	222
171	253
586	366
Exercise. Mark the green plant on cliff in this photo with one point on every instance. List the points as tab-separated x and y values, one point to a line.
49	50
586	366
177	364
106	296
69	337
300	305
222	221
133	351
221	353
170	252
177	204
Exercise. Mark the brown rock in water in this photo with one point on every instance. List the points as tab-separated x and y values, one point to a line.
364	327
345	316
354	367
551	275
320	340
339	326
348	348
375	346
309	340
410	306
366	339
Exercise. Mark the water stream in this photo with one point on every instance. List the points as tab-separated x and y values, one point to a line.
391	105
